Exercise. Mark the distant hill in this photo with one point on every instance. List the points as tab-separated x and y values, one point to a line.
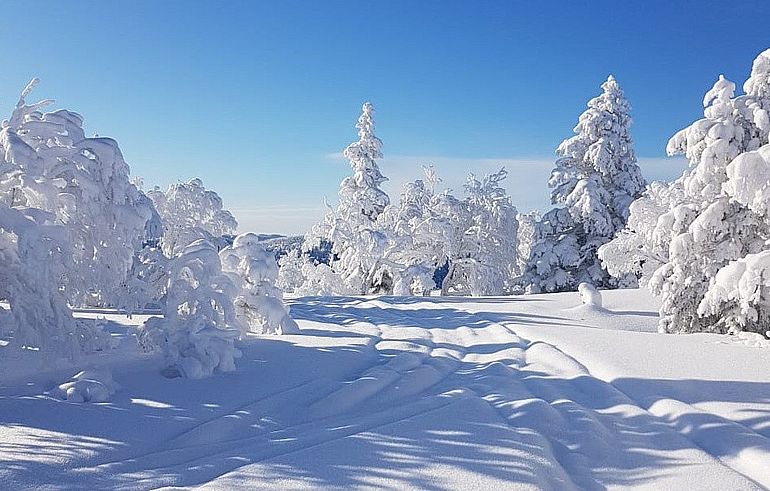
280	245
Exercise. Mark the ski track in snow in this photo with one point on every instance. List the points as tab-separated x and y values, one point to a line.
443	393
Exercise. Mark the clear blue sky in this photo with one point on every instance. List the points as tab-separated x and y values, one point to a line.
256	98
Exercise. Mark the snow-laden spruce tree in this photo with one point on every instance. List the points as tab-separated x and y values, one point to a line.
357	245
709	228
199	324
738	297
49	164
259	304
595	180
190	212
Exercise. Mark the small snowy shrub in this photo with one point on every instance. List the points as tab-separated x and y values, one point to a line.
491	240
414	280
321	280
259	305
290	277
199	324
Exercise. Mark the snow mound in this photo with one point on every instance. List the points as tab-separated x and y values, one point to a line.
90	385
590	295
754	339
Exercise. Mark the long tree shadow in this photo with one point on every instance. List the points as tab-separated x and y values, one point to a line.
350	311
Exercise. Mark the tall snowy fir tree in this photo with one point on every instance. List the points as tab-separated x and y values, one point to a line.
595	180
358	246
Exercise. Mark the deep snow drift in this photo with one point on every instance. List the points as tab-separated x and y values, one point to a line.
529	392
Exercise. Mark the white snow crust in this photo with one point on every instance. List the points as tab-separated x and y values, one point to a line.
523	392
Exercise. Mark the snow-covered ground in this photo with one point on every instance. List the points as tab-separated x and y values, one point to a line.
530	392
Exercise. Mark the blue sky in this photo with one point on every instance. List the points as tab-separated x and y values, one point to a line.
259	98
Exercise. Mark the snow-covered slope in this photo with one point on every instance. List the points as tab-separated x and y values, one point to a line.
531	392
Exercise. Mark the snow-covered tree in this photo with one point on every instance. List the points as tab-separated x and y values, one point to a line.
259	305
199	324
475	237
641	248
738	297
710	228
321	280
492	237
412	253
34	255
358	246
290	276
190	212
595	180
527	236
48	163
147	281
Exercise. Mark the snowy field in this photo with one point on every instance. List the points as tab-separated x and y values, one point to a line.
529	392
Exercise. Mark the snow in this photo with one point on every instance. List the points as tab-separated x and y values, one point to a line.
88	386
520	392
590	295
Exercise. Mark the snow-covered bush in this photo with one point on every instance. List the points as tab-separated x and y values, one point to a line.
48	163
304	273
199	324
595	180
416	279
190	212
321	280
414	249
146	283
259	305
527	236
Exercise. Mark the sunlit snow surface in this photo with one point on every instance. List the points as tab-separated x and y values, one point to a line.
530	392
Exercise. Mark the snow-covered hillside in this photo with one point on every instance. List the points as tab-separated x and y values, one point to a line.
528	392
